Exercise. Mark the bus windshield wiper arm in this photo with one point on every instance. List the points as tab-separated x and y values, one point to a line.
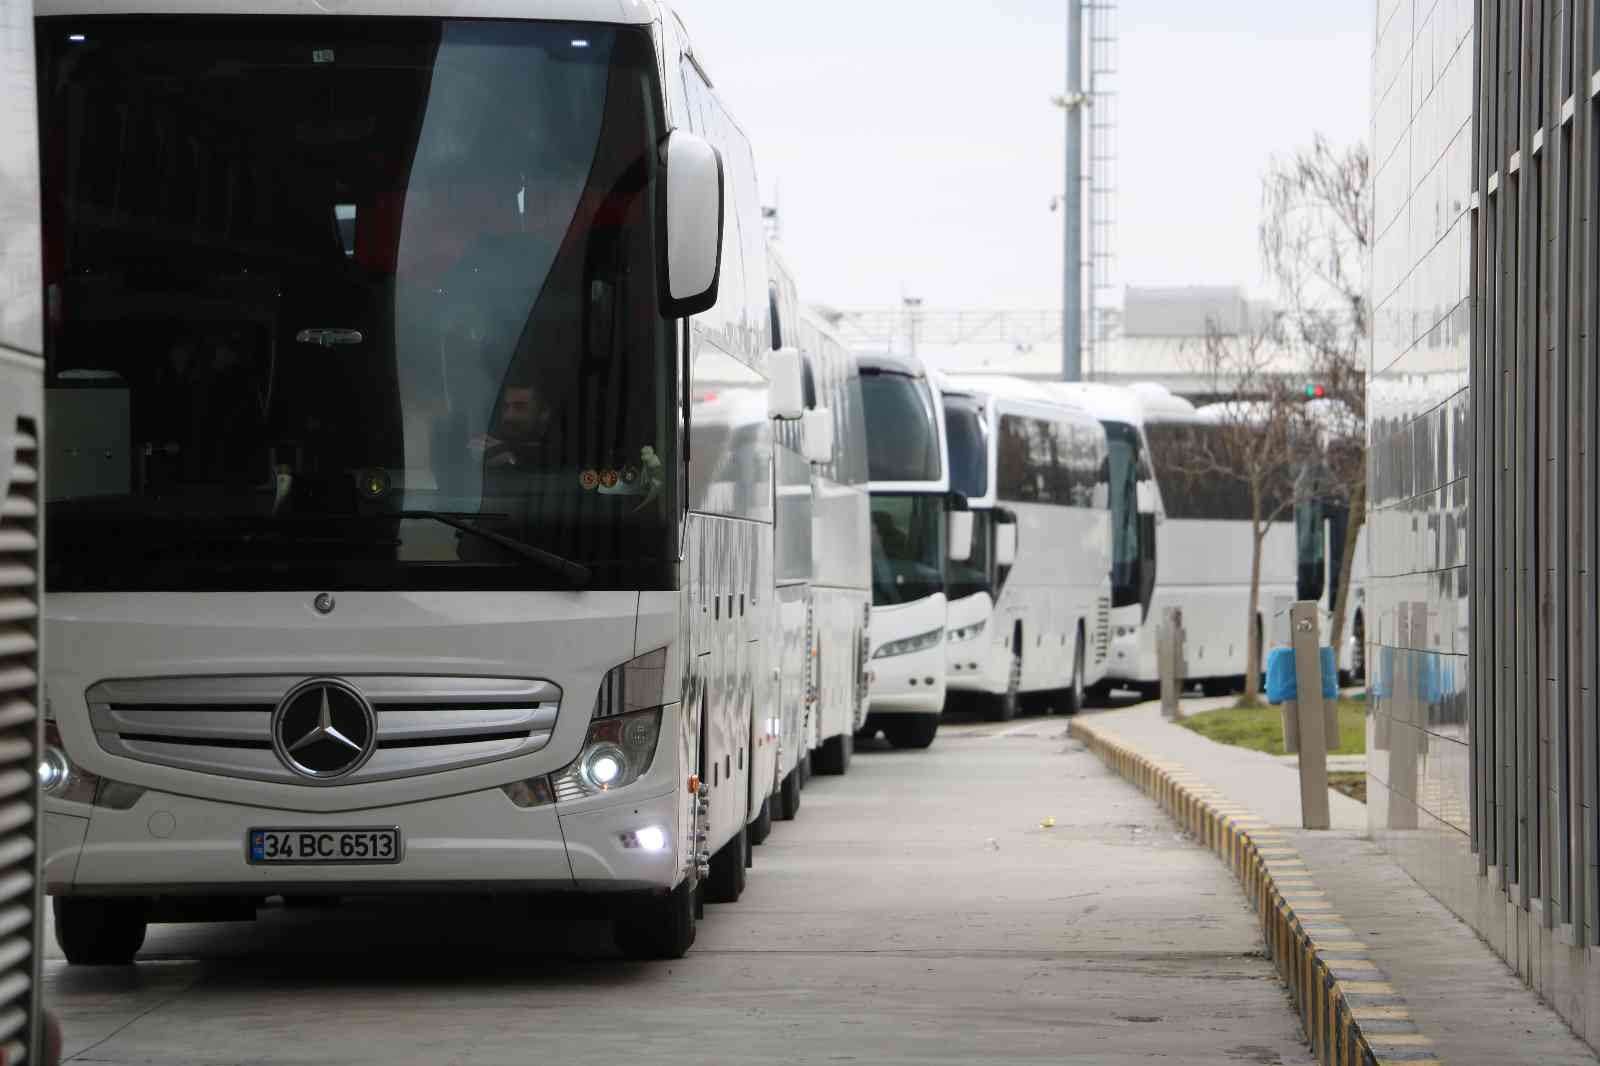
576	573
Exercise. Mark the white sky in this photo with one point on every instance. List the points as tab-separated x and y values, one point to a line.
915	149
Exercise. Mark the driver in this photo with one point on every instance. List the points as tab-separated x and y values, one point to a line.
519	436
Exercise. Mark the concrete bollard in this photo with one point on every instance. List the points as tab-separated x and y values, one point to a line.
1169	659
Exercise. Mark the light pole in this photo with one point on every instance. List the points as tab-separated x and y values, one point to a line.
1073	103
913	304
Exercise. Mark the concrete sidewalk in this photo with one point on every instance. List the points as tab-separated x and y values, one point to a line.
1352	906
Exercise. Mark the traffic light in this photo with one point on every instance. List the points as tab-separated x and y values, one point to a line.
1316	392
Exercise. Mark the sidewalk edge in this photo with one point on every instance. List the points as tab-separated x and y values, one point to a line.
1351	1013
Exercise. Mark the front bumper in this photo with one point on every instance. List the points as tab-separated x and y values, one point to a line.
909	684
480	841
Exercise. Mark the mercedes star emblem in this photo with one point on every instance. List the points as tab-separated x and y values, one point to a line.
324	729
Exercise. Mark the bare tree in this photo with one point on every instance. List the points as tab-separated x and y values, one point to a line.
1244	454
1316	234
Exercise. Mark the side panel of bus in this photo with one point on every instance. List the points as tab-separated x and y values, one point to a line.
730	603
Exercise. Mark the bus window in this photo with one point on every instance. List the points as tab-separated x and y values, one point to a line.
1311	549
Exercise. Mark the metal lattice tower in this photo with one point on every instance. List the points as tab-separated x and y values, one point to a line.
1101	320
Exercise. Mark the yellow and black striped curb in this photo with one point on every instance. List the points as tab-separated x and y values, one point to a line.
1350	1010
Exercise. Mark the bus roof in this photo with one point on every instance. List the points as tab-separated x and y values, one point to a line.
637	12
1131	404
1012	389
884	363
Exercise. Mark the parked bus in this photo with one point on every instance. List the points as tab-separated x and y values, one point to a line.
823	557
395	549
1030	606
908	464
26	1035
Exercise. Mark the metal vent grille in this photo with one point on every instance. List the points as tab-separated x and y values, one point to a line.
19	743
1102	631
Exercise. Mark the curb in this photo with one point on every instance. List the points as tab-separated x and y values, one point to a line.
1351	1013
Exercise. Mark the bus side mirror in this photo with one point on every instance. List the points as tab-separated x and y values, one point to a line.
816	435
1145	497
786	395
694	221
959	531
1005	544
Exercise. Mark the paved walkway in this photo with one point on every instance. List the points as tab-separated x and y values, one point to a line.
1461	994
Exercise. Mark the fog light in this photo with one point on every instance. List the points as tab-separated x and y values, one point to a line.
650	838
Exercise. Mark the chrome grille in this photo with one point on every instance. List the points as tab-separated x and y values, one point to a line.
1102	639
19	746
223	725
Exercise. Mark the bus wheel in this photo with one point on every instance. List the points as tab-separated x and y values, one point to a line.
1075	698
911	730
99	932
726	883
833	758
789	797
1003	708
659	927
761	828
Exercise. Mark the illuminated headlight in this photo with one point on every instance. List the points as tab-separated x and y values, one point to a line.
626	723
59	778
972	632
920	642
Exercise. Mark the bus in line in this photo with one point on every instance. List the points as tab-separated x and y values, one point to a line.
908	464
397	544
1030	605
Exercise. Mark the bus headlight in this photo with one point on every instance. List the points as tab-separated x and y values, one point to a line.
616	753
972	632
59	778
910	645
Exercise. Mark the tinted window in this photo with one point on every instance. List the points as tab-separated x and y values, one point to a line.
967	430
907	548
317	275
1187	456
1122	445
975	574
1059	463
902	433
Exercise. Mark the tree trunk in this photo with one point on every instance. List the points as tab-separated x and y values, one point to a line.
1252	674
1341	598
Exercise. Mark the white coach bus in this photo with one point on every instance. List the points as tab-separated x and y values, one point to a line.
823	556
1029	607
24	1034
908	464
392	547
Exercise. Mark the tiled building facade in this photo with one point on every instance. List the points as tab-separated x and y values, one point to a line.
1485	430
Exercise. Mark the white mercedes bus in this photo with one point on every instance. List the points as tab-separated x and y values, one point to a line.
24	1035
1030	605
397	543
908	464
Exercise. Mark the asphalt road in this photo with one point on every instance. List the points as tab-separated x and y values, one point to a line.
917	912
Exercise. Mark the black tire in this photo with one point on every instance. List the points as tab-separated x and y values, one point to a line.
1221	686
1073	698
659	927
99	932
788	797
726	883
833	758
913	731
805	769
1003	708
761	828
1098	694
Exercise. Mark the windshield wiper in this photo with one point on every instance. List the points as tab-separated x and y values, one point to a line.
576	573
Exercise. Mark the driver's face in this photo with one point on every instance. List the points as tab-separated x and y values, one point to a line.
519	412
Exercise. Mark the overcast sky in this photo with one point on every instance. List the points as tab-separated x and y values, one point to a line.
915	149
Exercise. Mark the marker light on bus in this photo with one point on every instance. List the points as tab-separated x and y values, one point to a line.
650	838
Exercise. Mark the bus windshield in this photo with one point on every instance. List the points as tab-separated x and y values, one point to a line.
907	548
902	438
976	573
333	298
1122	442
967	431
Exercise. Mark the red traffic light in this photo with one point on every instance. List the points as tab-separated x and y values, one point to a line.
1316	392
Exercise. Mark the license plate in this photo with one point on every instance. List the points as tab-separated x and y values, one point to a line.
322	847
